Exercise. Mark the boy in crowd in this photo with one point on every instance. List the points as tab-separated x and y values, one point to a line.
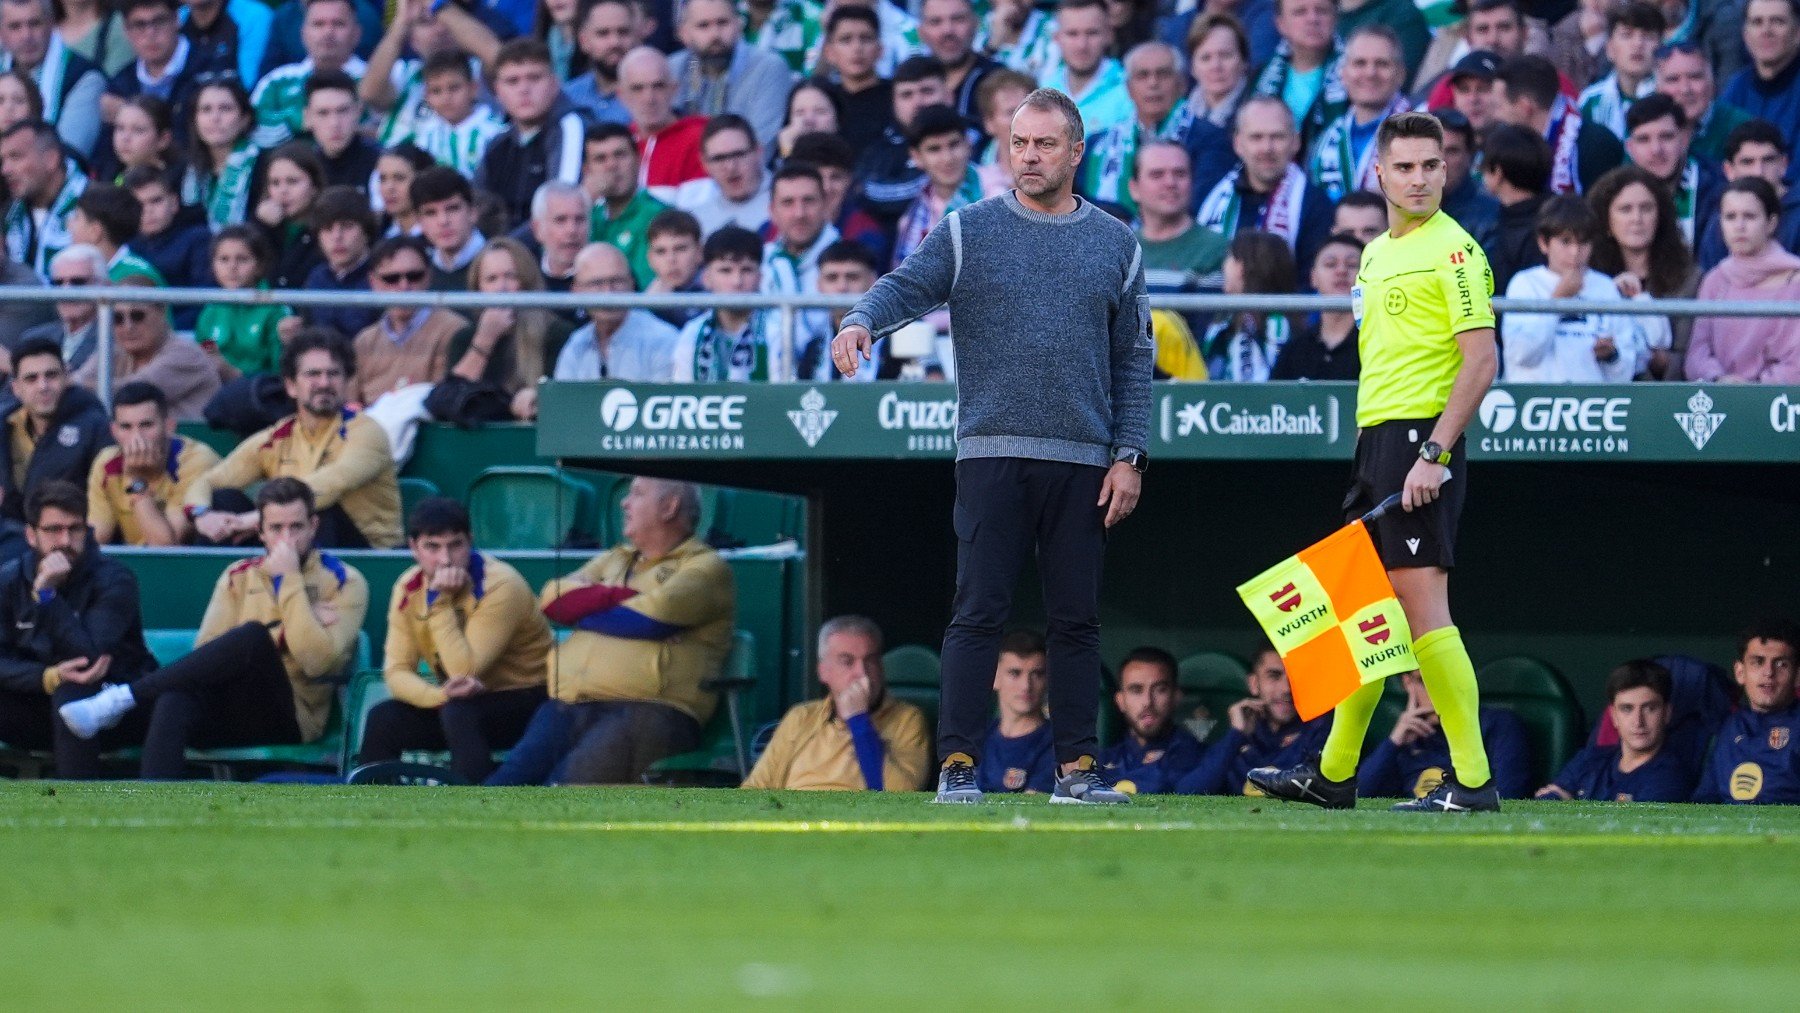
1754	760
1019	754
345	229
938	142
731	344
456	128
845	268
544	140
1637	768
672	249
1569	347
106	218
177	250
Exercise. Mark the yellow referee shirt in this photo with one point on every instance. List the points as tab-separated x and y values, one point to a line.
1413	296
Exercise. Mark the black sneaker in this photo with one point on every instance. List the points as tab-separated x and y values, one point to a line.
1451	797
1304	783
956	780
1086	785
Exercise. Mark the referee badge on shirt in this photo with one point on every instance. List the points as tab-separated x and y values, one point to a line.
1778	738
1356	304
1395	301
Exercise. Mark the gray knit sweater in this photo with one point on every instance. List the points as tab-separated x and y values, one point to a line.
1052	328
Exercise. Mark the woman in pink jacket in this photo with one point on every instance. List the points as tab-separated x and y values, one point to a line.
1748	349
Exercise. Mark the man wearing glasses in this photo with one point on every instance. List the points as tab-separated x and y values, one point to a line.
736	189
146	350
615	344
338	452
70	325
409	344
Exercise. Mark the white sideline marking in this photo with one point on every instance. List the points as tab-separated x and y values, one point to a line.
1356	834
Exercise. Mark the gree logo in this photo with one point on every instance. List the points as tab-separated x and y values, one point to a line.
620	410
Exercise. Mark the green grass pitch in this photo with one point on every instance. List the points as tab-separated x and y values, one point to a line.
228	896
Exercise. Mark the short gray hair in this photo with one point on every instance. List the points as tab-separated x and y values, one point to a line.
82	251
861	625
687	501
1144	49
1056	101
548	191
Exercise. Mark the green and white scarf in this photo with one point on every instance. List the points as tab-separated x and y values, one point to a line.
1280	213
1335	166
1112	155
1332	99
720	357
1686	194
50	75
27	243
225	192
1032	54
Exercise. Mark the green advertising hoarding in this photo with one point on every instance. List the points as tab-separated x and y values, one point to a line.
1674	422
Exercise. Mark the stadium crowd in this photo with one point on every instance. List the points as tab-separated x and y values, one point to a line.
1613	151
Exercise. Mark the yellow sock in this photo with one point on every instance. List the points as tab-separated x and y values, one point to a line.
1450	679
1349	726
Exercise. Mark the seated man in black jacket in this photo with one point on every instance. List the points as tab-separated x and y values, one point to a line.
54	430
68	621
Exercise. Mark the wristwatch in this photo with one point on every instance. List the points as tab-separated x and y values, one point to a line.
1433	453
138	487
1139	461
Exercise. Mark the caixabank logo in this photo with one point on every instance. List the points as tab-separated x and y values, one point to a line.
1554	424
1318	419
677	422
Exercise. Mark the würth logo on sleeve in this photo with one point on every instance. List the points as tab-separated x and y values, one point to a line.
1287	599
1375	629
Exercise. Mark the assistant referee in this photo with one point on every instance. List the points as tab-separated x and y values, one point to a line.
1053	353
1423	303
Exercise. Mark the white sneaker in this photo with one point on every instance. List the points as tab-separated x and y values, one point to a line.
88	718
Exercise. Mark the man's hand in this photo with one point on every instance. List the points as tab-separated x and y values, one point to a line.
141	459
1244	714
1119	493
1605	349
525	403
853	698
1628	284
462	687
1412	726
449	579
282	560
852	345
1423	484
52	570
83	673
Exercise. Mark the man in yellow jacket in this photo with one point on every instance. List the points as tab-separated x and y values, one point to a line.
473	624
857	737
653	619
341	453
280	628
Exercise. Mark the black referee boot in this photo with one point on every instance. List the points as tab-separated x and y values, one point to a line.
1451	797
1304	783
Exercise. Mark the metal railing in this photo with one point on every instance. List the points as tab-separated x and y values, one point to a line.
789	306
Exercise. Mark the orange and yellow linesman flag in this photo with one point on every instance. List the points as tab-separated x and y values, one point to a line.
1332	615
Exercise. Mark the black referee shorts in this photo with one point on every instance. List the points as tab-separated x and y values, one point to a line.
1427	535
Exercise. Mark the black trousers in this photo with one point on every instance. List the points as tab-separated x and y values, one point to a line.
30	721
471	728
231	691
1007	509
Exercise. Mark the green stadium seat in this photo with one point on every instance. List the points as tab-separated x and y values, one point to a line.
527	507
167	645
1544	702
724	759
1214	680
412	490
912	673
366	689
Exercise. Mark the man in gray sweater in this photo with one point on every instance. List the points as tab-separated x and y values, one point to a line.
1053	357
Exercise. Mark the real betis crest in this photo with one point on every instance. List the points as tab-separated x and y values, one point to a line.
1700	422
812	419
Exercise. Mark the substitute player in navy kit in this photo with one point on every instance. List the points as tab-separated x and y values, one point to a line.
1637	768
1754	758
1019	753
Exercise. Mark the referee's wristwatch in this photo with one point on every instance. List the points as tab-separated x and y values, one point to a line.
1433	453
